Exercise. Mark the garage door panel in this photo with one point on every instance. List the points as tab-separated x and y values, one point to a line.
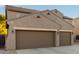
65	38
34	39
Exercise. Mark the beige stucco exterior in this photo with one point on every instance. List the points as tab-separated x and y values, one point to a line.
29	23
10	41
76	25
40	21
75	22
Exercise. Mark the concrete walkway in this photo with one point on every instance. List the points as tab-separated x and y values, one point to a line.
74	49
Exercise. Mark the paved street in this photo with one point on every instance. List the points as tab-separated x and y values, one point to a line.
74	49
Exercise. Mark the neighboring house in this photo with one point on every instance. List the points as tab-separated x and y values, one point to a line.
38	29
76	29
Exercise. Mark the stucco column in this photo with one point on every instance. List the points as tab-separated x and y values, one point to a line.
72	38
10	40
57	39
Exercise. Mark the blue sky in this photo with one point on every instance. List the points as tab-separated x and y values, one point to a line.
2	9
67	10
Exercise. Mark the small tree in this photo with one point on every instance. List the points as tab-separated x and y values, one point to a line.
2	25
2	18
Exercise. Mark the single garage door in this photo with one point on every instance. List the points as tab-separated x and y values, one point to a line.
34	39
65	38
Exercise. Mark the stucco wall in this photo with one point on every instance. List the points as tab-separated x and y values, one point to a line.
76	25
10	40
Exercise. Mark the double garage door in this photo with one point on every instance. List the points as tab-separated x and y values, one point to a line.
65	38
34	39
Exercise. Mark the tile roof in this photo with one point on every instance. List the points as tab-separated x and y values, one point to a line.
33	21
20	9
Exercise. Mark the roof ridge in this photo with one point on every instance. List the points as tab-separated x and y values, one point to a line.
19	7
66	17
26	15
62	19
77	18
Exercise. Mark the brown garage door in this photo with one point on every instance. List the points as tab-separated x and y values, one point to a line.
34	39
65	38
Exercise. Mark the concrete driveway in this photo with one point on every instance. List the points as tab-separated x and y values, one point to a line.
74	49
